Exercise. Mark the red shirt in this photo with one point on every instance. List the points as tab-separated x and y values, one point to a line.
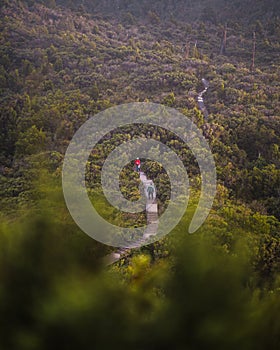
137	162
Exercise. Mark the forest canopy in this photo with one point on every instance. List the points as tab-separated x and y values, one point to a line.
62	62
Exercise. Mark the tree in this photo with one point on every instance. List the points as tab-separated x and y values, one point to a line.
30	142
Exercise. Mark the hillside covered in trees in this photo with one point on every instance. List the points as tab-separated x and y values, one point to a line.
64	61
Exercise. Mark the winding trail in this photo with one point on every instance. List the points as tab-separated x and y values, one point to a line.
151	204
152	224
200	100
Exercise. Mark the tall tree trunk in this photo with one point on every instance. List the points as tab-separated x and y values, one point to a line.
253	53
187	50
195	53
224	41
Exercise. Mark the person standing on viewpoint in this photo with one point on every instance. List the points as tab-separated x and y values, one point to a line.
137	164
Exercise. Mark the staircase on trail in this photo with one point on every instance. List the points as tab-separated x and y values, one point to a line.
152	224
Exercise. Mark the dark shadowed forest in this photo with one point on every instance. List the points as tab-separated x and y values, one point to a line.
63	61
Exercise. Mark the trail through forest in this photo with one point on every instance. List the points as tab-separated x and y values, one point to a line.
151	204
152	222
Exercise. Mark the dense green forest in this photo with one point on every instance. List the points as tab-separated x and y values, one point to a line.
64	61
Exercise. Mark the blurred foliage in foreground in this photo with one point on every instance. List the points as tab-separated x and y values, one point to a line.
211	291
216	289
